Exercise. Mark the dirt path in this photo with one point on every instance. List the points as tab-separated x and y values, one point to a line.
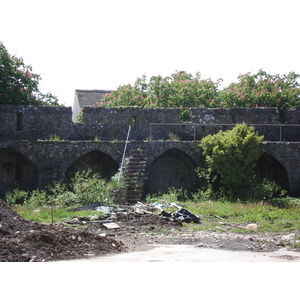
188	253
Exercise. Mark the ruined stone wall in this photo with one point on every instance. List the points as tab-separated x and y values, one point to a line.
208	120
113	123
34	122
39	123
260	115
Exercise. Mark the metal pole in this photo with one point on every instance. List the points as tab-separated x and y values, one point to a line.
123	158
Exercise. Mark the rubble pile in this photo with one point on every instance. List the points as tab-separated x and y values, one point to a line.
23	240
139	211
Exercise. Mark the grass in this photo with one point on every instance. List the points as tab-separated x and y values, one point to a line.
43	215
234	216
215	215
229	216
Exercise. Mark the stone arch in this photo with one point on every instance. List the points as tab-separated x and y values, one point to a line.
16	170
190	149
270	168
173	168
95	160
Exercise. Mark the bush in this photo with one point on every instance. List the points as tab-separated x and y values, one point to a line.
173	195
85	188
230	158
16	197
90	188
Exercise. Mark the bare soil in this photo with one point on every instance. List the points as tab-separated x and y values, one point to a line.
24	240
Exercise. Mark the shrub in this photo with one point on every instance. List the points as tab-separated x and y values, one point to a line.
90	188
16	197
230	158
85	188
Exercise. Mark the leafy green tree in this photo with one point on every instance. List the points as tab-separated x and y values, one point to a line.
231	157
262	90
183	90
18	84
180	90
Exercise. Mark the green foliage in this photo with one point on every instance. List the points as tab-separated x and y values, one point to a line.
230	158
224	215
229	216
284	202
54	137
16	197
44	214
262	90
90	188
79	117
18	84
180	90
39	198
173	195
183	90
85	188
117	182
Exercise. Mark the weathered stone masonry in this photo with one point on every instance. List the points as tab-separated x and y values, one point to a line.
29	159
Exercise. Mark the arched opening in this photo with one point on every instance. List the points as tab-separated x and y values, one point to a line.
270	168
97	161
16	170
173	168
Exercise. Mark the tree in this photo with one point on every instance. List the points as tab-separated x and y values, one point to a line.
183	90
18	84
230	158
180	90
262	90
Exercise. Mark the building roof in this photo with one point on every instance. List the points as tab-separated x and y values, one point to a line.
90	97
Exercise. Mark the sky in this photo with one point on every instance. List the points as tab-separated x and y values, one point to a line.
97	44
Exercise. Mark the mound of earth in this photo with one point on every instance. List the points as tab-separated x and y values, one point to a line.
23	240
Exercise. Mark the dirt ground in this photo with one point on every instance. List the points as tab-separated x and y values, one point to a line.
23	240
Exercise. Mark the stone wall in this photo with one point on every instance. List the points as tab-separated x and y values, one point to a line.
39	123
34	122
260	115
35	164
113	123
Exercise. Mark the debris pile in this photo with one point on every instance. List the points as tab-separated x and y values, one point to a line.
23	240
133	212
181	215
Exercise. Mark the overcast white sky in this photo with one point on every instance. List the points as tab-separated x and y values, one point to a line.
103	44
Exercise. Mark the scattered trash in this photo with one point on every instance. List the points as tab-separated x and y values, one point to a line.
181	215
252	227
135	211
104	209
102	221
185	216
162	206
288	237
111	226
